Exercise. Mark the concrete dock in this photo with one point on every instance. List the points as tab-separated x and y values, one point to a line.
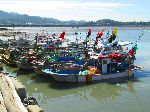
12	95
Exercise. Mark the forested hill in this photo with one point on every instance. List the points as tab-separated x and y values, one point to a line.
19	19
109	22
15	19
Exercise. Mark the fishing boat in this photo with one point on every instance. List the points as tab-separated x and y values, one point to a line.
9	51
62	77
38	66
24	66
25	59
98	68
7	58
107	60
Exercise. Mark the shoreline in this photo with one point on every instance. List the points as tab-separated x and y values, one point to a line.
73	26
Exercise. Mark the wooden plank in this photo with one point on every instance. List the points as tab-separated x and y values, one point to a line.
2	104
34	108
12	100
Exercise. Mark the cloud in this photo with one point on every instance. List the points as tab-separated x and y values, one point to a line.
64	10
59	4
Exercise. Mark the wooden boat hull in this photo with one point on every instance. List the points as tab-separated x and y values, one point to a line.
7	61
1	67
39	71
83	78
91	78
24	66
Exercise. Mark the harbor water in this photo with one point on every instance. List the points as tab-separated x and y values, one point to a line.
129	95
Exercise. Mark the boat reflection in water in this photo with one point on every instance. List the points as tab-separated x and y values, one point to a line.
45	90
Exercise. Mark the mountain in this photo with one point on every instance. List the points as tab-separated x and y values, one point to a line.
19	19
109	22
24	19
9	19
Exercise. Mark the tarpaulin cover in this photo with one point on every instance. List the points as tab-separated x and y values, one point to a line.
66	59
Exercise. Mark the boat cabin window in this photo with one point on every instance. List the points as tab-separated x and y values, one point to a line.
104	62
119	47
107	49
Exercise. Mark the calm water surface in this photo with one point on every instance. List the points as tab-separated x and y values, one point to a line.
128	96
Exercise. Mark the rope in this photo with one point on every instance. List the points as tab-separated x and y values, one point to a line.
140	36
30	101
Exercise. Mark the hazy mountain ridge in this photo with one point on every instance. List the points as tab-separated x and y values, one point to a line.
17	19
26	20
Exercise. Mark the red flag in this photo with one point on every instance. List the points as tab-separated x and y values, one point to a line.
62	35
132	52
99	34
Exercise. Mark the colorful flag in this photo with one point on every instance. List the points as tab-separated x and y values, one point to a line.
62	35
135	48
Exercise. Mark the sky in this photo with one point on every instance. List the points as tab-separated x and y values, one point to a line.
88	10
